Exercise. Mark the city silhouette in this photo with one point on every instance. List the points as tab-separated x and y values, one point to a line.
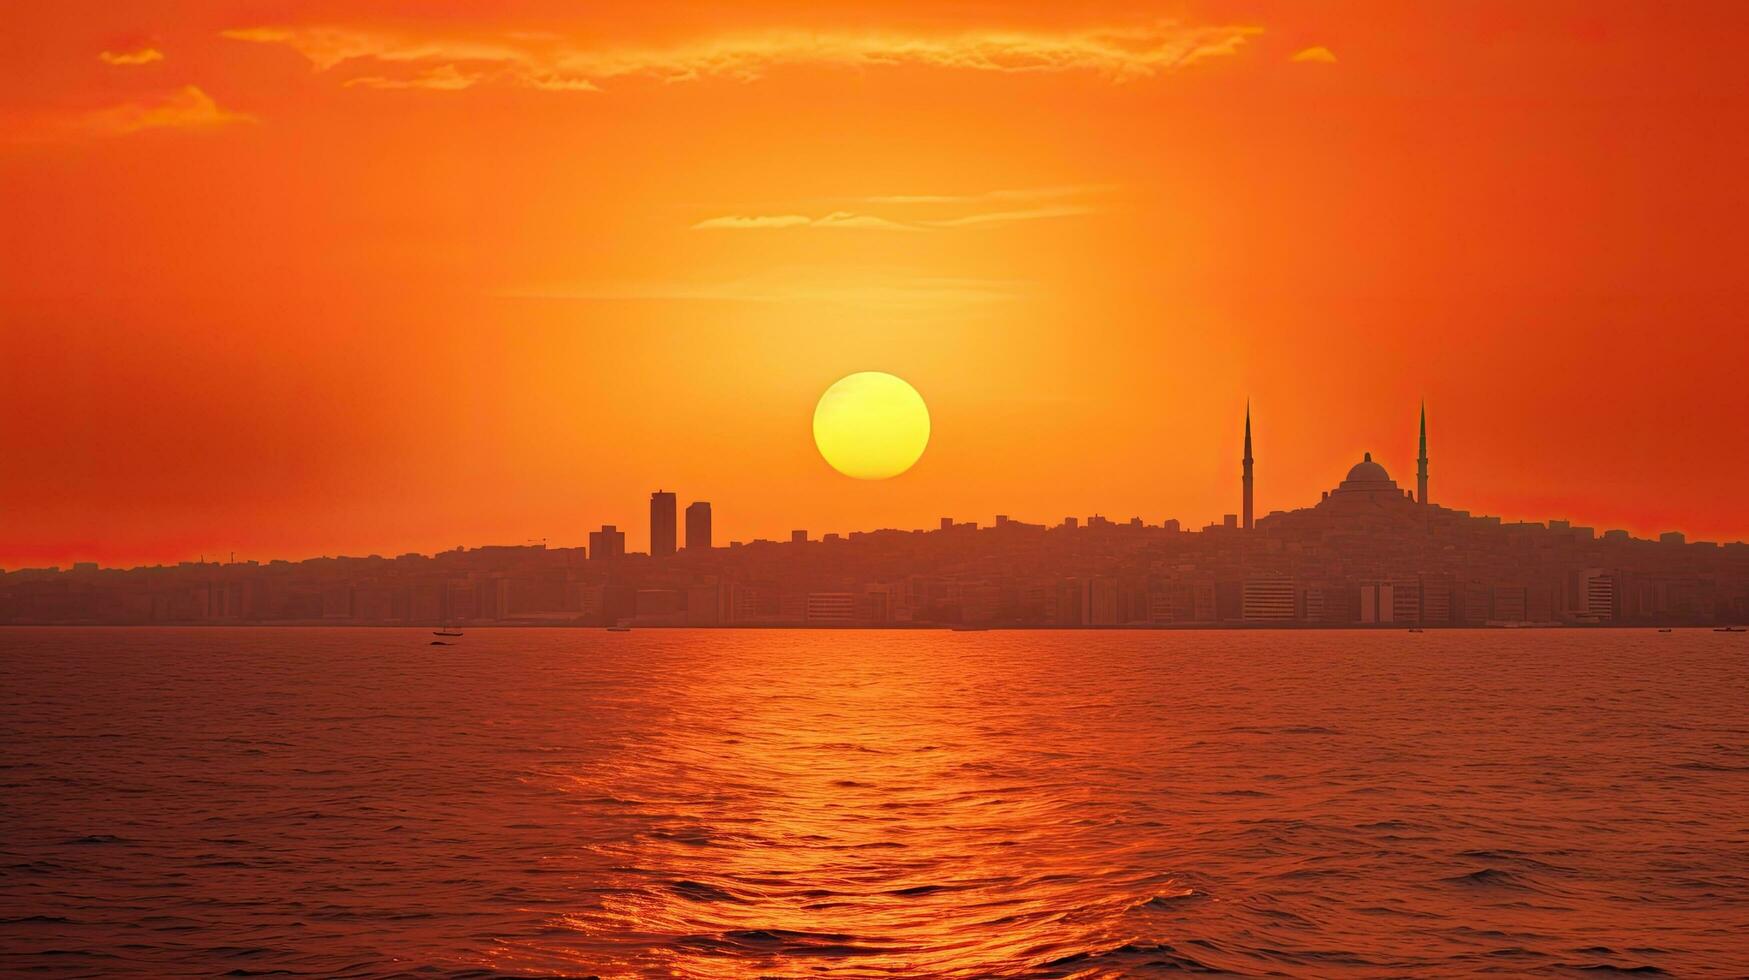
1368	553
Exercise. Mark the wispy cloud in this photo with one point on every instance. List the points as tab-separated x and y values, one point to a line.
327	47
1319	55
931	207
185	108
837	219
896	292
443	78
1119	53
1006	217
739	221
868	222
1012	194
143	56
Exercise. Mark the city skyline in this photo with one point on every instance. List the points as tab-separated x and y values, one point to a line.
1368	553
1368	485
782	530
664	530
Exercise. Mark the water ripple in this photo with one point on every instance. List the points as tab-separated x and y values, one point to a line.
554	803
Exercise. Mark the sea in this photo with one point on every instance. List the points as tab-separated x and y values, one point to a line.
766	803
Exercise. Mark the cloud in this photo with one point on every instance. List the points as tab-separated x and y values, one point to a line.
845	219
808	286
737	221
932	217
837	219
144	56
556	83
443	78
544	61
185	108
1020	194
1004	217
848	219
327	47
1319	54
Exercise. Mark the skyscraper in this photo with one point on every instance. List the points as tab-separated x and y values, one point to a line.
662	523
607	543
1421	461
698	526
1247	462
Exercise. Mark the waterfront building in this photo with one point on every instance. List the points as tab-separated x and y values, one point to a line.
1268	600
698	526
662	523
830	609
609	542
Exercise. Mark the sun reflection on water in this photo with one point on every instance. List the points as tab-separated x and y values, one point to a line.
851	817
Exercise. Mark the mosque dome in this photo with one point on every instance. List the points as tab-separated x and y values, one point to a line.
1367	471
1367	479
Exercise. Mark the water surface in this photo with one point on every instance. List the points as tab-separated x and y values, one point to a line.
355	802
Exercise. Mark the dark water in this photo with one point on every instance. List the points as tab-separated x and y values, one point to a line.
738	804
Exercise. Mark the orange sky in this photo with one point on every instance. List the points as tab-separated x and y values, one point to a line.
289	279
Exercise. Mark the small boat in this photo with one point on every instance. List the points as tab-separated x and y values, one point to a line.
445	633
1416	629
619	629
1731	629
441	643
1665	629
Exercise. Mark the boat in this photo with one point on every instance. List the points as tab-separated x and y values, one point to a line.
1731	629
446	633
1416	629
441	643
619	629
1666	630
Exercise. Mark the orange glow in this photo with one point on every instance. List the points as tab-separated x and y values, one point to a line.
293	279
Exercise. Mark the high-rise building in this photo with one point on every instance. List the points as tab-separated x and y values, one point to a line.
609	542
1378	602
698	526
1268	600
1421	461
1596	598
1100	602
1406	601
662	523
1247	471
798	536
830	609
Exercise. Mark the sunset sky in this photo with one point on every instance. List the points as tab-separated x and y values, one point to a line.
334	277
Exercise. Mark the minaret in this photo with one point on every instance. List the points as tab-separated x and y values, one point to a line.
1247	462
1421	462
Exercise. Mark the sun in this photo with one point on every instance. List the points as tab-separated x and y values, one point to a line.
871	425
